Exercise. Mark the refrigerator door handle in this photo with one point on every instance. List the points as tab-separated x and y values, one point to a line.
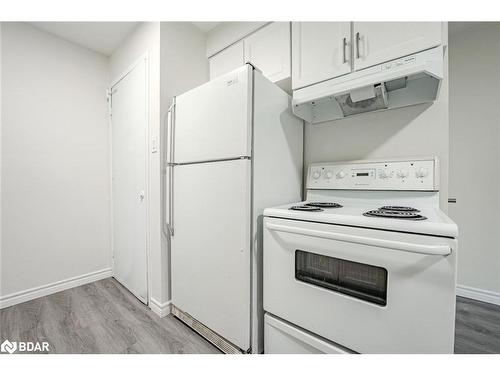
171	131
170	167
171	200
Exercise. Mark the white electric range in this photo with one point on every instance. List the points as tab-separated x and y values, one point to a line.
366	264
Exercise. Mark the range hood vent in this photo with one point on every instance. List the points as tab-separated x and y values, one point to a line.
411	80
374	99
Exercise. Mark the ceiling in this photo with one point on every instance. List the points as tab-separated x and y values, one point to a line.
205	26
102	37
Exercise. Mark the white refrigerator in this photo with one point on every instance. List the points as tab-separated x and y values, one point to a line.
234	148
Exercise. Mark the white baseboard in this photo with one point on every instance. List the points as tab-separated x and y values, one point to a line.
58	286
161	309
478	294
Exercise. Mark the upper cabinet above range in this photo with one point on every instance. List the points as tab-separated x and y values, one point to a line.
377	42
320	51
325	50
268	49
301	54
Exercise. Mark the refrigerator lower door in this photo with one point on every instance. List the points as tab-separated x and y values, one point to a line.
213	121
211	246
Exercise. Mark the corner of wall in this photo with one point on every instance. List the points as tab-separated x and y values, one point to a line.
48	74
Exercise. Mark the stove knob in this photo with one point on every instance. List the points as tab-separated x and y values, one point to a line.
403	173
328	174
316	175
421	172
341	174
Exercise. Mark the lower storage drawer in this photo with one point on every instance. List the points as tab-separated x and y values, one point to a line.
281	337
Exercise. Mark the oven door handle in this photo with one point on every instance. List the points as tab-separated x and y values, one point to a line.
388	244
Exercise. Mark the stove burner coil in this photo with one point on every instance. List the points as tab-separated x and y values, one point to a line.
398	208
324	204
405	215
306	208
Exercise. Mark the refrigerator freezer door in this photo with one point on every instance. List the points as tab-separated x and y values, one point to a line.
211	246
213	121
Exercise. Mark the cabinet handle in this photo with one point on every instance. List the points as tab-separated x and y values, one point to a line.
357	45
344	47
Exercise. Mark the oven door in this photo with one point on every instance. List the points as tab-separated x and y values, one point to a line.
372	291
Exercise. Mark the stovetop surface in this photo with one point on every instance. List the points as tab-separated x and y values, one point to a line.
435	223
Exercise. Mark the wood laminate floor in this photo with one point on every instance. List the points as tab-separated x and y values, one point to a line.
477	327
103	317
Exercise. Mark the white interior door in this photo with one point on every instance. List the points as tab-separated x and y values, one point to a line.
211	246
129	129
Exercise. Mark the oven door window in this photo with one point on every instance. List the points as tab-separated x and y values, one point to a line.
359	280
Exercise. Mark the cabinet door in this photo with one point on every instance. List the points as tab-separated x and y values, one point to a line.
377	42
268	49
320	51
226	60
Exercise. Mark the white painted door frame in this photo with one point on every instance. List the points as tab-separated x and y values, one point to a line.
143	58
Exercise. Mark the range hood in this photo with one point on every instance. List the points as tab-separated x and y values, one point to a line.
410	80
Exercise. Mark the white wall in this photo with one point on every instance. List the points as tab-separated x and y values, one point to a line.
55	193
184	66
475	154
145	39
420	130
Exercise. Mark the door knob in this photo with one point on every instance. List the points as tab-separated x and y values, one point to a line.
142	195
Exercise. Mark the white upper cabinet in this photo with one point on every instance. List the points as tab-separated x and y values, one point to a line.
320	51
226	60
377	42
268	49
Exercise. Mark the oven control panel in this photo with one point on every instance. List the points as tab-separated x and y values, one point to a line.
397	174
